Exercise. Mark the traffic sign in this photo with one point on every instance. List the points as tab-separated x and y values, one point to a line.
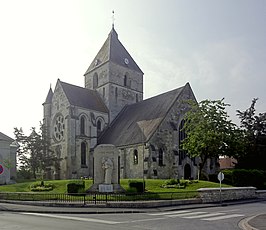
1	169
220	176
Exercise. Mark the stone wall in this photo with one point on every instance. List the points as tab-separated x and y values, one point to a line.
209	195
261	194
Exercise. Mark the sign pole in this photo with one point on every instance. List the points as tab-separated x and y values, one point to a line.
220	178
220	192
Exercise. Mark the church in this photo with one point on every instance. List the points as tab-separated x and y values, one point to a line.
110	109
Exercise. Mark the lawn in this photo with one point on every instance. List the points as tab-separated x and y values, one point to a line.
152	186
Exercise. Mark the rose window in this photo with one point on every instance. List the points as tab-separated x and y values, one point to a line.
59	128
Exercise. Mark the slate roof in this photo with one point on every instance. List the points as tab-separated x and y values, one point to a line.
49	97
4	137
113	51
84	98
137	123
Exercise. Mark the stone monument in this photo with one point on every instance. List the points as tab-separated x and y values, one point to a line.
106	176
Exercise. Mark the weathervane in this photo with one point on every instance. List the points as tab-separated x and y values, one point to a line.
113	19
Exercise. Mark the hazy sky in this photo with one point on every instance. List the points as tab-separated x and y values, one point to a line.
218	46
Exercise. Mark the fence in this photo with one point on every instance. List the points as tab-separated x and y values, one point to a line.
95	198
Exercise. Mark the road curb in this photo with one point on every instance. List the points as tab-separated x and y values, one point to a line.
244	224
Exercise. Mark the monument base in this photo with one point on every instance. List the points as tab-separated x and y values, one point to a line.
106	188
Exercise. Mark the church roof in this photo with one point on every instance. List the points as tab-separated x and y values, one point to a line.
49	97
4	137
84	98
137	123
113	51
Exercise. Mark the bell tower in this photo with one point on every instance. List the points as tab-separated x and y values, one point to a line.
115	76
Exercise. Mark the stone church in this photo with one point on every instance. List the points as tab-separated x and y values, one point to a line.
110	109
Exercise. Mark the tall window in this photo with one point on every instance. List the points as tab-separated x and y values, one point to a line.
99	127
82	125
135	157
83	154
125	80
95	80
103	92
182	135
160	157
116	94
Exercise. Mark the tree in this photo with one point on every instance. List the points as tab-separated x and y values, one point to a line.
35	155
254	128
209	132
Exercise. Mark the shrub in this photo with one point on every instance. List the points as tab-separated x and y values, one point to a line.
176	183
228	176
138	185
172	182
76	187
41	187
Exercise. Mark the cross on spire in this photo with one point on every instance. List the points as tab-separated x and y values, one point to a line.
113	19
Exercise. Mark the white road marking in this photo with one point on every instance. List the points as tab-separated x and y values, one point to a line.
143	220
232	210
212	216
223	217
167	213
72	218
204	215
187	214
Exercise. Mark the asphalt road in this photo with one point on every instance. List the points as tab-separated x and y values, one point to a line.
225	217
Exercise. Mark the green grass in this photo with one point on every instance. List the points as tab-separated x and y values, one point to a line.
152	186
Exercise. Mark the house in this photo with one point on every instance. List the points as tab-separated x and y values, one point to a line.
8	150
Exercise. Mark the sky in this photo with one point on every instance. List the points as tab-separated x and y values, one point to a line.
218	46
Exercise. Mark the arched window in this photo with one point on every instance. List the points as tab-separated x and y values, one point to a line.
182	135
116	94
103	92
125	80
95	80
160	157
135	157
82	125
83	154
99	127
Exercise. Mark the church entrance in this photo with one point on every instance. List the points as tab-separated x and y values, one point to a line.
187	172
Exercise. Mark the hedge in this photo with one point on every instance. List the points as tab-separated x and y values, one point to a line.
245	177
76	187
139	186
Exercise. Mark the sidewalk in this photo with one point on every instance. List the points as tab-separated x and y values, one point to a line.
89	209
